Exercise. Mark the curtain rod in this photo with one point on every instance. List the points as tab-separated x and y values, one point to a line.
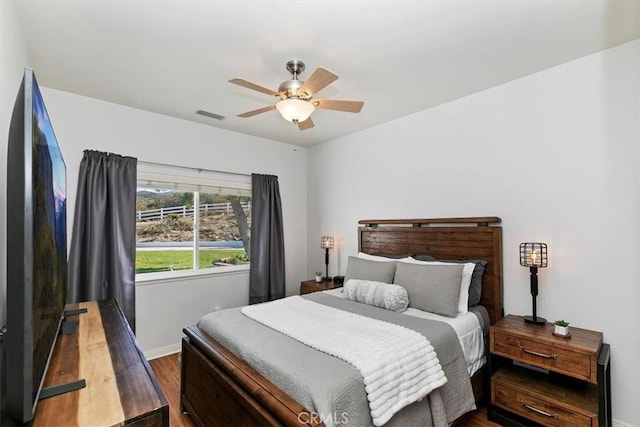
191	168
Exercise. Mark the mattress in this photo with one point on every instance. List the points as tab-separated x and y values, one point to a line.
471	328
329	386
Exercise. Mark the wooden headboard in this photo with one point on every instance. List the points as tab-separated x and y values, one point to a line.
443	238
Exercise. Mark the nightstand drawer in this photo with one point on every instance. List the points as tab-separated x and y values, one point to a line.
536	409
544	355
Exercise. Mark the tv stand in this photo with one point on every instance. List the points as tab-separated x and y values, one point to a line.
121	389
55	390
74	311
68	326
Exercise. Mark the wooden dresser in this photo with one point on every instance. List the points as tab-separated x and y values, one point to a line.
121	388
308	286
571	386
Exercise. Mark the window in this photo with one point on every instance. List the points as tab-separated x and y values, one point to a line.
189	220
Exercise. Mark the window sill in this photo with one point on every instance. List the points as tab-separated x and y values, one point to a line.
174	276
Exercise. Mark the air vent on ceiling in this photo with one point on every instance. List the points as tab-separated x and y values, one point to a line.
211	115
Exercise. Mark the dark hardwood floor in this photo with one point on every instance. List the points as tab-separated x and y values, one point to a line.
167	370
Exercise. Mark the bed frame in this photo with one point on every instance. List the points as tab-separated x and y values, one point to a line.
218	388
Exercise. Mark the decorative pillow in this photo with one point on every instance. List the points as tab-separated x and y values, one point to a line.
382	258
369	270
431	287
383	295
475	288
465	281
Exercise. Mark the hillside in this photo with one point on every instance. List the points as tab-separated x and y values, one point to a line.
213	227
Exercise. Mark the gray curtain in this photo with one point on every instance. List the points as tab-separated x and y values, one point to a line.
103	243
266	278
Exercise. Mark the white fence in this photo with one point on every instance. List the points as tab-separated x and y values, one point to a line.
184	211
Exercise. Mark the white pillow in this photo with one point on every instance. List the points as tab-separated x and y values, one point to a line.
375	257
465	282
384	295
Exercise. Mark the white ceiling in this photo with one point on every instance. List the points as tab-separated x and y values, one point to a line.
399	57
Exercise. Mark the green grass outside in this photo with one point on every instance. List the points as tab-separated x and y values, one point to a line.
155	261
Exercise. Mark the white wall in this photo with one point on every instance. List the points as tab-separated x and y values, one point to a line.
163	309
556	155
13	58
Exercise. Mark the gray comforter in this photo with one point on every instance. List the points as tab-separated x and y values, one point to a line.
330	388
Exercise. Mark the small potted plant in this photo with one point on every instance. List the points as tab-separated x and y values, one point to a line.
318	276
561	328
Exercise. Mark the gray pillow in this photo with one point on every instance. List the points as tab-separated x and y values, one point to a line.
475	288
364	269
432	288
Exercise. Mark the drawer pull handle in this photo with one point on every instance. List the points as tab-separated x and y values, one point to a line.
535	353
539	411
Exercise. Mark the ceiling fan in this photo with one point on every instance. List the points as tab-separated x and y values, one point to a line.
296	96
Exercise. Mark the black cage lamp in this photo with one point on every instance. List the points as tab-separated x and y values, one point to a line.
534	255
326	243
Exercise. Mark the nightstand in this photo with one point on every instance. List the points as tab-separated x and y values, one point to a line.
308	286
553	381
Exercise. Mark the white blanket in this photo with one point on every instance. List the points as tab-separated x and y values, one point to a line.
397	364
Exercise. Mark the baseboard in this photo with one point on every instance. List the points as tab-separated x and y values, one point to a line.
616	423
165	351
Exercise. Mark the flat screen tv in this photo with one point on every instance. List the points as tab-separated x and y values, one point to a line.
36	249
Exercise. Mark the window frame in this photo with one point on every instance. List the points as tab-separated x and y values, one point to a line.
191	180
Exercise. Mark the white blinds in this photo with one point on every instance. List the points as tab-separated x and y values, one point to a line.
152	175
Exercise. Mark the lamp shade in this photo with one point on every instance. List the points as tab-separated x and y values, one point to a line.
533	254
326	242
295	110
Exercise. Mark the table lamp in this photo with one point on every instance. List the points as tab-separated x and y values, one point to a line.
534	255
326	243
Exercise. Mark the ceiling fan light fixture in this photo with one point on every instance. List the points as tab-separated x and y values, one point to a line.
295	110
295	96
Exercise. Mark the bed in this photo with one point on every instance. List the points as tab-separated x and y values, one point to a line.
220	388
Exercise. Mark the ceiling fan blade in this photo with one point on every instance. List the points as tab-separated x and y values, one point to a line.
307	124
330	104
258	111
317	81
253	86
